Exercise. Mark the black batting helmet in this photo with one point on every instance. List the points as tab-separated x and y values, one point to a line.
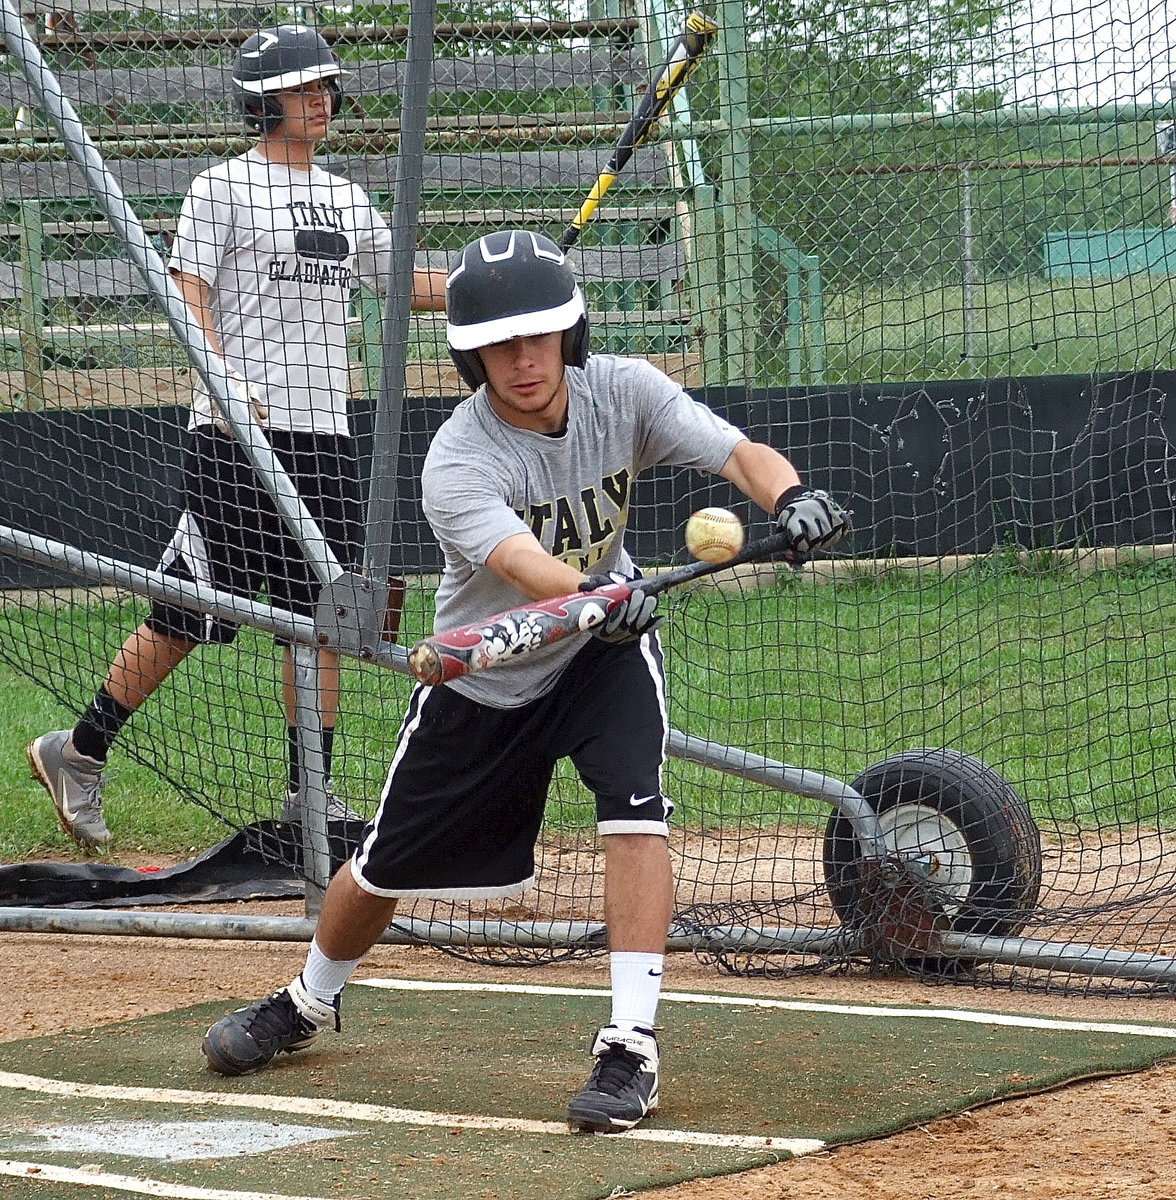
283	56
512	284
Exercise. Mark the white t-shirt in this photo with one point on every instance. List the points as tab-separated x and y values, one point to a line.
281	251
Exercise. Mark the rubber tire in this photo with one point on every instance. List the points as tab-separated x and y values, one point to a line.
999	836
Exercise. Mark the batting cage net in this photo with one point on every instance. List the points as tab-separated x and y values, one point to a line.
925	249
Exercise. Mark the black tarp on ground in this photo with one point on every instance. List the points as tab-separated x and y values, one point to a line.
263	861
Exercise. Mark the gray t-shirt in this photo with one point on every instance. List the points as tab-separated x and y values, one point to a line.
485	481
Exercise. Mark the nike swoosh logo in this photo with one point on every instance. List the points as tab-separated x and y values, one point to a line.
657	974
66	811
636	800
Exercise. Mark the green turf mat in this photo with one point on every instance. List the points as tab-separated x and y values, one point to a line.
744	1073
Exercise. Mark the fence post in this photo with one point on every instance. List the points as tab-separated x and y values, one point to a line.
383	487
968	253
736	212
814	318
707	298
695	208
32	304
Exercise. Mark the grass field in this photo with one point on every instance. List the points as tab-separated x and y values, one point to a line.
1020	325
1061	682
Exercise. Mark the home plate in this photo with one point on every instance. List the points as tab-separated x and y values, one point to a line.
175	1141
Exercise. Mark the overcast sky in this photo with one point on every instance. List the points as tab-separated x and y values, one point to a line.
1093	52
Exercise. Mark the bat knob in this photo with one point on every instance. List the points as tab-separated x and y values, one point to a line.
425	663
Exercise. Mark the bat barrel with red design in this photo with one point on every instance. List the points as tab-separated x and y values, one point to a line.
489	643
497	639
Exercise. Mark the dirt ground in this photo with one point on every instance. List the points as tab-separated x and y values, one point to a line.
1100	1139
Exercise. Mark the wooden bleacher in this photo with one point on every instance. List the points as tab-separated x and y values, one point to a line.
100	340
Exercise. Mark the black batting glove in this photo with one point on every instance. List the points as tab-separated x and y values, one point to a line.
628	620
812	519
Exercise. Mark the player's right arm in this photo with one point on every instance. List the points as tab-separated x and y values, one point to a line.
522	562
428	289
527	567
198	297
200	244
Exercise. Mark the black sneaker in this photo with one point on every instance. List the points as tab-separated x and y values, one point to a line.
623	1086
250	1038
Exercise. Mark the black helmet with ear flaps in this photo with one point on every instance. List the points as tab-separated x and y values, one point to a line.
509	284
277	58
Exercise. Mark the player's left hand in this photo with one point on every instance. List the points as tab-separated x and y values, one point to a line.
247	392
629	619
812	519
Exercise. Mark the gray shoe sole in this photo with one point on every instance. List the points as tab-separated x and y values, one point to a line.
225	1059
583	1117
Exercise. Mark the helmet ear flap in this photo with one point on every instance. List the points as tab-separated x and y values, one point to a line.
335	91
262	113
575	343
469	367
271	113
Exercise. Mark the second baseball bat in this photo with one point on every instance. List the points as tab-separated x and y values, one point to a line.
684	56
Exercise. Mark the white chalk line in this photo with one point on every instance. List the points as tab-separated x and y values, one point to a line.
348	1110
130	1183
970	1016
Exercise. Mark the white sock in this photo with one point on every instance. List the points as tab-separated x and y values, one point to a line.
636	987
324	977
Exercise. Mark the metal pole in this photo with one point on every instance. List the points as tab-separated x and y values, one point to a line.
1017	117
31	547
381	509
795	780
736	209
969	261
210	366
312	783
298	929
32	304
1092	961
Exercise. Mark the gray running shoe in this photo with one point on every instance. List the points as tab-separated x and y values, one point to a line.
74	782
622	1088
246	1040
337	808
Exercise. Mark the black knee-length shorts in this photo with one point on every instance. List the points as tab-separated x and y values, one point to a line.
231	537
465	795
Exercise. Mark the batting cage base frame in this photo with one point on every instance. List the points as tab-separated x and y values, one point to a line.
896	906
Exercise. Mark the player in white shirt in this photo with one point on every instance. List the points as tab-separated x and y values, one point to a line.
267	252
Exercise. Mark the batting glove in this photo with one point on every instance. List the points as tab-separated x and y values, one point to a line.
627	621
247	392
812	519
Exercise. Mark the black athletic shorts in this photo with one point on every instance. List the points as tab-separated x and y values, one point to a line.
464	799
231	537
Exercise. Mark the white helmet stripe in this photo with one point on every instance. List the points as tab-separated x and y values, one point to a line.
531	324
278	83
